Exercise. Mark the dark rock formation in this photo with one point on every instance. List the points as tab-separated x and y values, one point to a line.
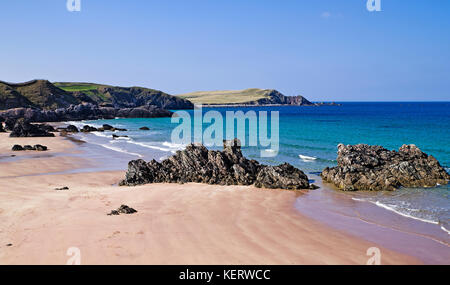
107	127
228	167
116	136
65	188
36	147
72	129
124	209
23	128
284	176
88	129
45	95
28	147
46	127
39	147
144	129
17	147
364	167
83	112
2	130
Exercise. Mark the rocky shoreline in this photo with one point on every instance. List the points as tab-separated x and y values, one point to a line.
228	167
374	168
80	112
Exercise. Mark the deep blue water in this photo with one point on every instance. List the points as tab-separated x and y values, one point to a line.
315	132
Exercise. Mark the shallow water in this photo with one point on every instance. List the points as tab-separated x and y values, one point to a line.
308	140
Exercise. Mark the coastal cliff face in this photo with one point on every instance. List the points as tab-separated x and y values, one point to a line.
48	96
364	167
228	167
82	112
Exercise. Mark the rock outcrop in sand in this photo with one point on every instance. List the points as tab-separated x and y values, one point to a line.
228	167
22	128
364	167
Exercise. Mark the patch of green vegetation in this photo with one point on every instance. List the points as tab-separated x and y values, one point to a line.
227	96
72	87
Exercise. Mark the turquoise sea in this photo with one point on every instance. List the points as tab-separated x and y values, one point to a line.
308	139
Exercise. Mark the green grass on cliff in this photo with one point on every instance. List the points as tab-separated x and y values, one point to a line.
226	96
72	87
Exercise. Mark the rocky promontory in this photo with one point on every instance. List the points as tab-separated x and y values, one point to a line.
86	111
228	167
365	167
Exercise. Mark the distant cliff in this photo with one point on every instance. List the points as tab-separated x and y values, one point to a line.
247	97
45	95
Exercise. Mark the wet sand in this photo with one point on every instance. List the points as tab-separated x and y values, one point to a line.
175	224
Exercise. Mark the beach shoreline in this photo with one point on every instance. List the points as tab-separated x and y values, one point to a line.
175	224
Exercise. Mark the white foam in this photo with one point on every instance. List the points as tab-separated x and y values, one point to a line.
270	150
392	209
174	145
445	230
120	150
149	146
306	158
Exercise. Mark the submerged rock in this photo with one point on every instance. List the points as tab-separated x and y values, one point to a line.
228	167
124	209
364	167
88	129
144	129
23	128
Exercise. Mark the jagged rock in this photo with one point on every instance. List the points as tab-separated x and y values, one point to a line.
124	209
144	129
228	167
72	129
85	111
23	128
283	176
364	167
39	147
17	147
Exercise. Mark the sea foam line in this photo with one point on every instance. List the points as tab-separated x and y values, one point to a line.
384	206
306	158
120	150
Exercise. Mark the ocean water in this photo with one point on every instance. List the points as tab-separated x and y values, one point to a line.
308	140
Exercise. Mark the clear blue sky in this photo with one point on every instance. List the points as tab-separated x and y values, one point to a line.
322	49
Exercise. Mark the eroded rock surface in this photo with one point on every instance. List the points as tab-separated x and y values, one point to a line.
364	167
228	167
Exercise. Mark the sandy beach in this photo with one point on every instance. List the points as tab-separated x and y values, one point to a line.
175	224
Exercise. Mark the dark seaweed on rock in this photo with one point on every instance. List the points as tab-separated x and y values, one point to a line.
228	167
364	167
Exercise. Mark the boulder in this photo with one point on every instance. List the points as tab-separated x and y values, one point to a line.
17	147
228	167
28	147
364	167
88	129
72	129
124	209
23	128
116	136
144	129
39	147
107	127
2	130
